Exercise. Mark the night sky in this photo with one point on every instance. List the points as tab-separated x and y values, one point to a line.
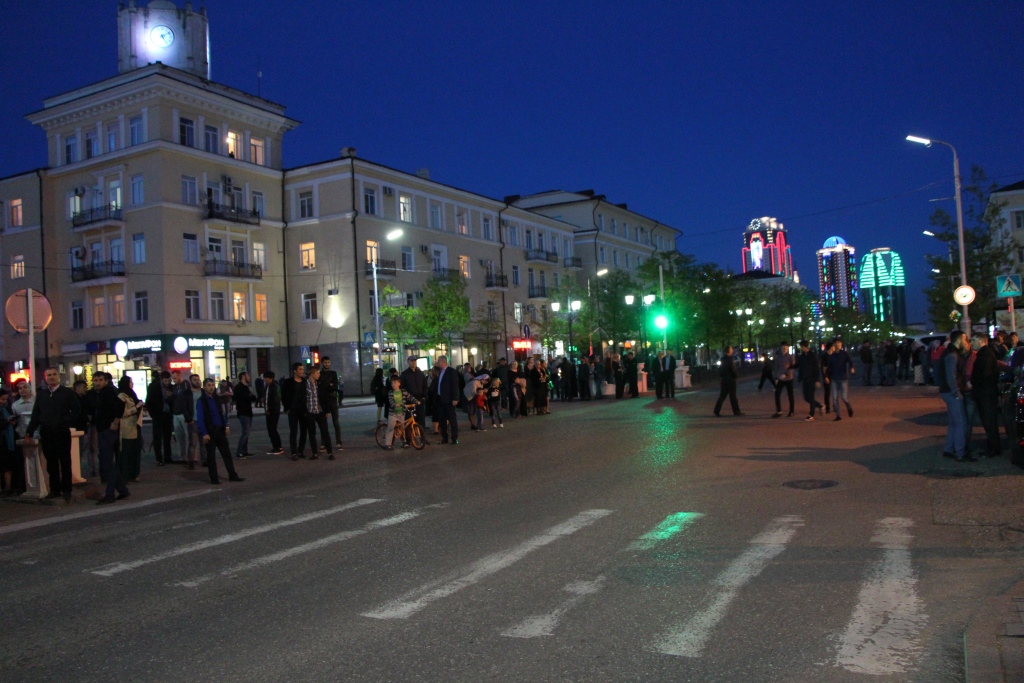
700	117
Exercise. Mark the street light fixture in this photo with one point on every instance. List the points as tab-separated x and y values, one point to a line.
928	232
959	215
602	272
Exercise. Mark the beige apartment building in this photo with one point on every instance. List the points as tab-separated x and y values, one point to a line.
166	234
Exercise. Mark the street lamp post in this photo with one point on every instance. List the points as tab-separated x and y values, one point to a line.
393	235
645	301
959	217
570	311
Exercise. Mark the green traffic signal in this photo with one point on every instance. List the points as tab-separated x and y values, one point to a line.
661	322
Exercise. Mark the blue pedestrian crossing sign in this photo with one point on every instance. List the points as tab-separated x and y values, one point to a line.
1007	286
304	352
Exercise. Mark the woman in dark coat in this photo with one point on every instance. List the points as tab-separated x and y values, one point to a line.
377	389
529	396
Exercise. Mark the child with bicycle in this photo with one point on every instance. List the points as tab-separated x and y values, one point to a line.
398	399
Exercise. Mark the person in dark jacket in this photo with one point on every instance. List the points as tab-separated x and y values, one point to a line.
414	381
583	378
447	398
316	414
214	431
159	401
296	424
808	373
379	391
55	413
331	382
985	392
632	375
243	406
272	402
109	409
727	370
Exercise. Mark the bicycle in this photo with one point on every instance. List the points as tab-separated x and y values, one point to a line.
408	430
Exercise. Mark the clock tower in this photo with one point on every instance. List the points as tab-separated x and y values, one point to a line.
161	32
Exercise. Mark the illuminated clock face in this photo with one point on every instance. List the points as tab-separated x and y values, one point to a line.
162	36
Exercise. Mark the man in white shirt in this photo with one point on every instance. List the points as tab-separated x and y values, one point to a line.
23	407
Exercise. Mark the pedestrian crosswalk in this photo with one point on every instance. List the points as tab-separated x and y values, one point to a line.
882	635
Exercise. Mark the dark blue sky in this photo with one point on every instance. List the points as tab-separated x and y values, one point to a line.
702	117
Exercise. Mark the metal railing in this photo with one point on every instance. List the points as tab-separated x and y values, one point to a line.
541	255
218	268
233	213
446	274
539	292
573	262
384	268
497	280
110	212
97	270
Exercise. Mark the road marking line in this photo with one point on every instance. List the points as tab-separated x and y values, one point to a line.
114	569
306	547
545	624
690	638
882	636
666	529
419	598
120	507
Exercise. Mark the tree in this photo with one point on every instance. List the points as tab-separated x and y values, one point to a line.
984	257
443	311
616	319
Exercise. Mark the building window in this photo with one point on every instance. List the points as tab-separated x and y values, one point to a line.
602	259
135	131
117	250
554	279
305	205
600	222
513	236
139	247
515	276
262	314
636	235
238	306
486	230
238	251
517	312
16	213
372	251
407	259
213	192
259	204
92	145
405	208
492	312
370	202
215	248
309	307
435	216
540	241
74	205
212	139
111	138
77	315
141	307
566	248
117	310
464	266
70	150
96	253
17	267
191	248
187	132
259	254
615	257
114	194
628	266
460	222
307	254
1017	220
217	311
189	191
192	311
529	239
256	151
554	244
138	191
99	312
234	145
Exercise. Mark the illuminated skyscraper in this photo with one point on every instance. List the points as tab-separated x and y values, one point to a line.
837	274
766	248
882	286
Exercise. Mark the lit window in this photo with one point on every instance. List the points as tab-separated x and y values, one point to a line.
189	191
99	312
192	304
370	202
307	254
74	205
17	267
372	249
238	306
117	310
405	208
517	312
259	254
16	214
461	223
464	266
187	132
262	314
256	151
141	307
305	205
309	307
212	136
217	306
138	191
114	194
139	247
135	131
234	144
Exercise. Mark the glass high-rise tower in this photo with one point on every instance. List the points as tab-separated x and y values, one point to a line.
837	274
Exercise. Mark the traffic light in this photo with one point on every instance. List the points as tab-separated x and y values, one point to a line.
315	352
661	322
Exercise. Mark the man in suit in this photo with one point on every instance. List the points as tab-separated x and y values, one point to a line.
668	374
727	369
272	401
447	399
655	372
55	412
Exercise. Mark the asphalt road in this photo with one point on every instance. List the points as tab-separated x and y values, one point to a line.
615	541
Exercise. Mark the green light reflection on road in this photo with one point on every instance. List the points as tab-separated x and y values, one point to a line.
664	433
666	529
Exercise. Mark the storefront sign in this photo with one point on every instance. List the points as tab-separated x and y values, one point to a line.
167	342
522	344
179	365
209	343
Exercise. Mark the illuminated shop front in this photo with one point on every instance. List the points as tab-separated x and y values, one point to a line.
138	357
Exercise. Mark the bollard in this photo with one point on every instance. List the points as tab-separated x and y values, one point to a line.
37	481
683	379
76	457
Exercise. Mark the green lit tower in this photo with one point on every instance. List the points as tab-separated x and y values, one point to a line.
883	287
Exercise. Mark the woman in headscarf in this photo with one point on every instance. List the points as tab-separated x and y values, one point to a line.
129	458
8	453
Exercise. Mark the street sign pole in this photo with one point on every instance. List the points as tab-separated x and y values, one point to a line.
1013	316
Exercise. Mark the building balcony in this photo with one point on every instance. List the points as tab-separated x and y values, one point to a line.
385	269
446	274
234	214
497	281
539	292
97	217
232	269
533	255
573	262
108	271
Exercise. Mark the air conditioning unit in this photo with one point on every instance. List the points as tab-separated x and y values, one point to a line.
424	249
80	191
388	191
78	252
228	181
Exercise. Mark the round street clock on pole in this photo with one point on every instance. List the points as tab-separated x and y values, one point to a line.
964	295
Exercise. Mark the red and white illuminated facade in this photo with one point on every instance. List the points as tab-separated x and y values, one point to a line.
766	248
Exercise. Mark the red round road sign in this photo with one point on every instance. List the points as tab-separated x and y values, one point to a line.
17	311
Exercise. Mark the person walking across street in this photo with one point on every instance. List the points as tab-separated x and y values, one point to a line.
212	426
332	391
808	369
272	404
952	384
295	407
766	372
782	369
414	381
840	368
316	414
109	409
826	376
727	370
55	412
243	406
447	398
985	392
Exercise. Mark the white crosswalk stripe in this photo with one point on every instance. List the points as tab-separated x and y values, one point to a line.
882	636
545	624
